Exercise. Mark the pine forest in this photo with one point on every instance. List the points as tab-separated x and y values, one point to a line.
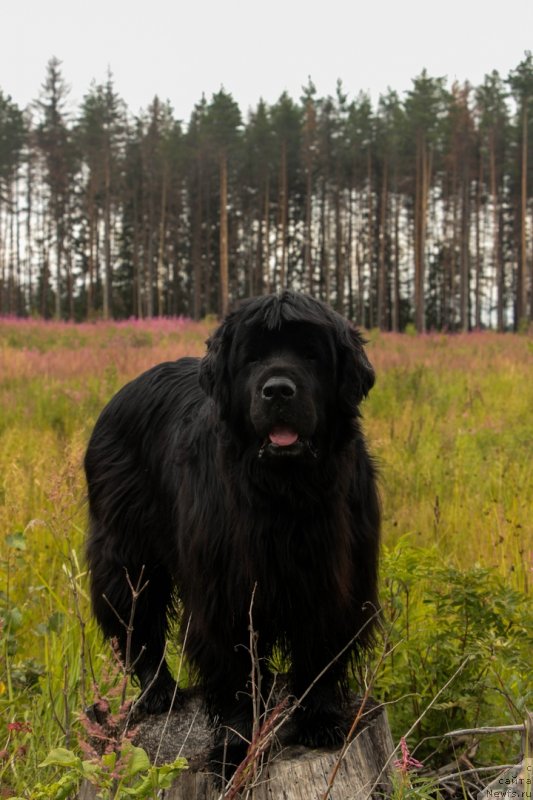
412	210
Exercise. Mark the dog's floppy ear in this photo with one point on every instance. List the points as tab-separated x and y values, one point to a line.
213	375
357	375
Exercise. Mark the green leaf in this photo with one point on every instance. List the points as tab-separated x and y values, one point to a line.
161	777
109	760
138	760
16	540
64	788
61	757
143	789
167	773
13	619
90	769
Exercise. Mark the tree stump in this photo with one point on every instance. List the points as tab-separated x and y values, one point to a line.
287	772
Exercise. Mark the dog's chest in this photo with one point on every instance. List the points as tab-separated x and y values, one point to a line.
296	560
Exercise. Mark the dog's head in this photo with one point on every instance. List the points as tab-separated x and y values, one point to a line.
286	372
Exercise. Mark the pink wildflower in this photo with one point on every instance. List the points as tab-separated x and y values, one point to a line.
103	706
19	727
406	762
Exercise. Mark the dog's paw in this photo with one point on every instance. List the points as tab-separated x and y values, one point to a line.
321	729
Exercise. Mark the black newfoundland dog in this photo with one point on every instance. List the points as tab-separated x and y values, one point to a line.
243	473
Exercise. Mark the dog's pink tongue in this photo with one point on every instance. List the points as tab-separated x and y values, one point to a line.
283	437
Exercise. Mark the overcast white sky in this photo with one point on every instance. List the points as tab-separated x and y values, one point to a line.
179	49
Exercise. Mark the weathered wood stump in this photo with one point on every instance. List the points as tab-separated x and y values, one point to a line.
287	772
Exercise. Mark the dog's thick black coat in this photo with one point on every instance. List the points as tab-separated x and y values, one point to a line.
245	470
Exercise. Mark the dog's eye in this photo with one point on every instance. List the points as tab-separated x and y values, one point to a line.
247	358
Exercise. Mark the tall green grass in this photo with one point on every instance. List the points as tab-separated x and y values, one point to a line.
451	425
451	421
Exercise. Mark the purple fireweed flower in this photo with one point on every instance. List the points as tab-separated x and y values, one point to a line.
406	762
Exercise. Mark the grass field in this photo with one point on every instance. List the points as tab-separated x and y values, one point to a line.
450	421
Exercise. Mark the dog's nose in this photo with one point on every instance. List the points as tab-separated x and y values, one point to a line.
278	388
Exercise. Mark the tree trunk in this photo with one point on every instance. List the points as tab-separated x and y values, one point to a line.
308	261
45	269
266	269
421	203
161	248
21	303
360	283
350	256
43	259
208	279
370	242
496	255
382	277
59	249
396	290
339	251
283	215
324	246
148	256
29	234
292	773
521	304
3	309
479	191
197	244
11	274
465	253
107	241
90	258
224	276
70	286
256	277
